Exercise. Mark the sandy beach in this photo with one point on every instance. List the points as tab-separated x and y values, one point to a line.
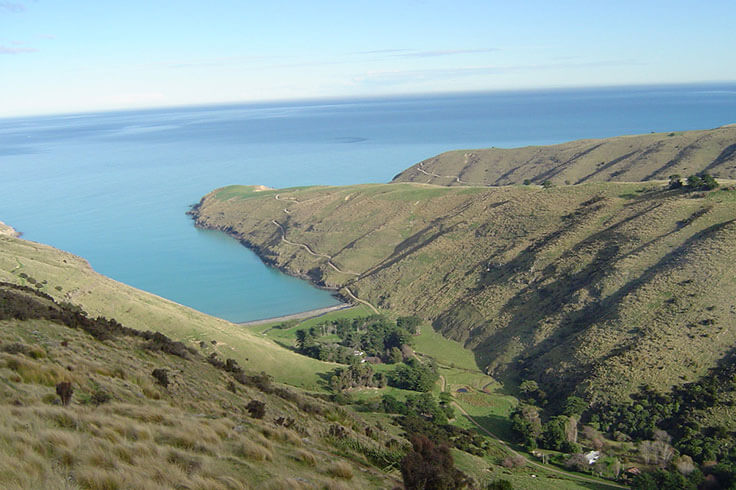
299	316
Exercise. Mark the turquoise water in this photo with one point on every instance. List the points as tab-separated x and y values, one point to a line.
113	187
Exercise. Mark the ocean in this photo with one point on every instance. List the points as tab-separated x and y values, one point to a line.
114	187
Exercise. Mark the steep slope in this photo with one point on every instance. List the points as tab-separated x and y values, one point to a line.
620	159
593	289
194	426
70	279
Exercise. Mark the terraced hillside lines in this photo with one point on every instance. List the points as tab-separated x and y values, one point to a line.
310	251
593	289
70	278
618	159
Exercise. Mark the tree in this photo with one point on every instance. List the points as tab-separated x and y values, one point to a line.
304	340
685	465
675	181
571	430
574	405
527	424
394	355
577	462
413	375
430	467
554	435
701	182
409	323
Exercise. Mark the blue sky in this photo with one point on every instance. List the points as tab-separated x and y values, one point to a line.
72	56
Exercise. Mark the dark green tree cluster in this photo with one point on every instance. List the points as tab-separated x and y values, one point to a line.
375	336
424	404
555	433
680	413
356	376
530	392
668	480
422	414
701	181
414	375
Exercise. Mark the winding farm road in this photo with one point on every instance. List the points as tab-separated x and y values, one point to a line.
457	178
350	293
310	251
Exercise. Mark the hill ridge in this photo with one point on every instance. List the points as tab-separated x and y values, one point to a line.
578	287
628	158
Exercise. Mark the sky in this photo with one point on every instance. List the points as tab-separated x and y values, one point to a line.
80	56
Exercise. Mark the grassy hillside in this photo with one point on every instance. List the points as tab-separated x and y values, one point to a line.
593	289
124	428
620	159
69	278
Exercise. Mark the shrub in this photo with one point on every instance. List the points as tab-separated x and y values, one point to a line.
65	391
430	466
256	409
513	461
675	181
161	376
577	462
100	396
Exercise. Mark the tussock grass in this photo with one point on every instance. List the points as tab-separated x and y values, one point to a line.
337	485
196	438
101	296
253	451
32	371
282	434
286	484
196	433
340	469
306	457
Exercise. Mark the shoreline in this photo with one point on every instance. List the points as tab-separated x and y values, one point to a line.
304	315
8	230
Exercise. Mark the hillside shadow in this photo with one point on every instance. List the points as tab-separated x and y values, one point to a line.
532	305
608	309
497	425
435	229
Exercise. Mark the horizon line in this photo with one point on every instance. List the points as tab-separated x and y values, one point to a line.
365	97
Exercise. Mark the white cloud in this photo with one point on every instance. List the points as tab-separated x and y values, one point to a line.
12	7
16	50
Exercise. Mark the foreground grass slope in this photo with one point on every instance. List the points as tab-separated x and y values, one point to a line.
69	278
620	159
124	428
593	289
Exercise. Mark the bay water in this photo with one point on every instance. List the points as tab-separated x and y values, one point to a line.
114	187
